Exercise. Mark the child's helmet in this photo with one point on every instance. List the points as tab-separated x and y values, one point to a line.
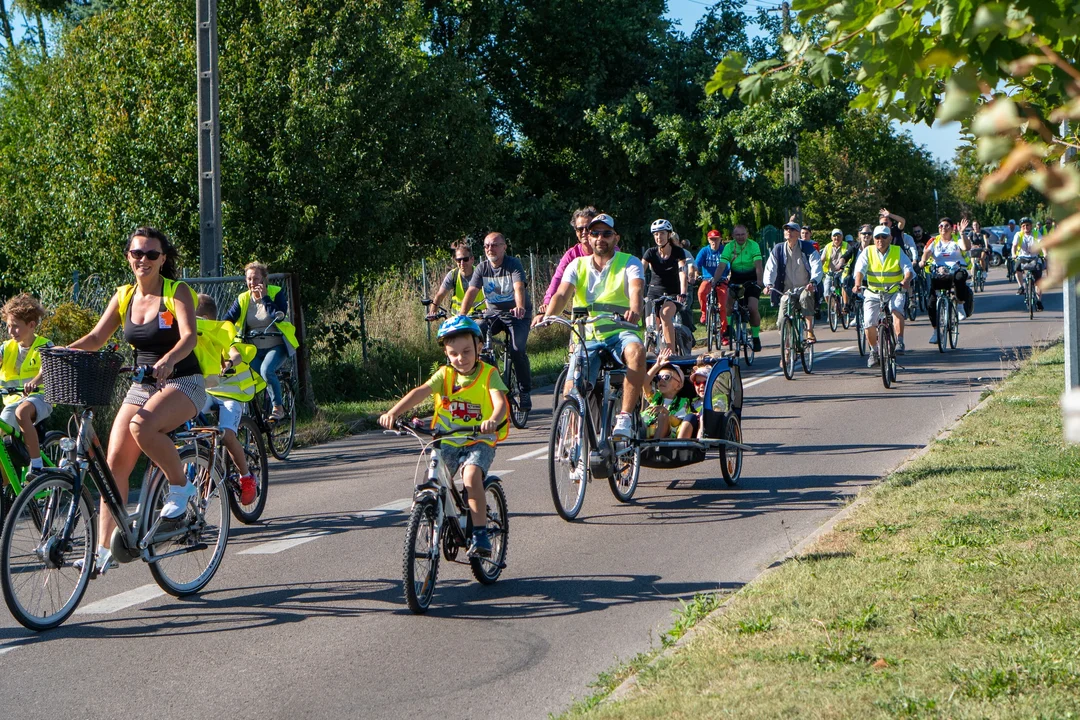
456	326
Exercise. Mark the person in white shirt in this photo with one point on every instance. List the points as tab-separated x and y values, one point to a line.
1027	255
878	268
949	252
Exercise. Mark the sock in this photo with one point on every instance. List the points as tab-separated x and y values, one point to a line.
728	319
755	331
35	463
101	550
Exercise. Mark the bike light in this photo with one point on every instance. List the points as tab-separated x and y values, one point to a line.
67	444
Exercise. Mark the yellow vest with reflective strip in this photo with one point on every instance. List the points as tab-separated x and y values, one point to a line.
287	328
826	255
14	378
459	295
883	272
465	408
612	296
206	352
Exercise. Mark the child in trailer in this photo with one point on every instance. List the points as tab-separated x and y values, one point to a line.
232	391
20	372
470	398
667	414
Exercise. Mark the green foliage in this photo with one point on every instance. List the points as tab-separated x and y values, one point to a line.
67	323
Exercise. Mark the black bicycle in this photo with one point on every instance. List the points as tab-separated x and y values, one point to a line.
654	327
280	432
1028	266
886	343
741	339
838	316
948	318
793	342
714	321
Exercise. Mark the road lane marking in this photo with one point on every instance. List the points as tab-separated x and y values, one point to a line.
777	373
124	600
530	454
7	648
275	546
388	509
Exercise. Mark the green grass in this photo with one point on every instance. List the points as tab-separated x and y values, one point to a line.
951	592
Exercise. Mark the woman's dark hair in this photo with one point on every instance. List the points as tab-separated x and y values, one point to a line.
168	269
945	220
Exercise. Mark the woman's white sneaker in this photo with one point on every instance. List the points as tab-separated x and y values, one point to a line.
176	501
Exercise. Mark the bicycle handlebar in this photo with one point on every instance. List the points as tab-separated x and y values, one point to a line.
416	427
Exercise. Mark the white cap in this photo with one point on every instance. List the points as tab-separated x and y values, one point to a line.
882	230
603	218
837	231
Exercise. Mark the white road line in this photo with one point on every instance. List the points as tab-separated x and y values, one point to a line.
7	648
121	601
777	373
275	546
530	454
387	509
500	472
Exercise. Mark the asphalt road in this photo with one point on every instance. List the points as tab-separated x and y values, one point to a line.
306	618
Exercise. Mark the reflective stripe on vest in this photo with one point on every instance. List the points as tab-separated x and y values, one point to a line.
13	379
459	295
827	257
287	328
611	295
240	386
883	272
463	410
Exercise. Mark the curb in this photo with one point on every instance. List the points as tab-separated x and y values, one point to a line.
627	687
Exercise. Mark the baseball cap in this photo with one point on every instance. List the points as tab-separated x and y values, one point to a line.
1012	222
836	231
882	230
605	219
792	226
714	233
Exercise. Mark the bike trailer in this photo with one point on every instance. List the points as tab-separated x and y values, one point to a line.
723	396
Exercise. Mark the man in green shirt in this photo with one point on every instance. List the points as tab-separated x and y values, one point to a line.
744	257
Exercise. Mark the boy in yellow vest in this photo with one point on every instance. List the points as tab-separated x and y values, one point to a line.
20	371
470	398
231	392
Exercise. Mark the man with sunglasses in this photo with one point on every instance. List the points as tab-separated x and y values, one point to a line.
456	282
607	281
502	280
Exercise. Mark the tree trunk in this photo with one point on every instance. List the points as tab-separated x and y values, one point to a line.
41	36
5	25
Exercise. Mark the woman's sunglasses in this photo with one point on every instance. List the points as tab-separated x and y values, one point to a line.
150	255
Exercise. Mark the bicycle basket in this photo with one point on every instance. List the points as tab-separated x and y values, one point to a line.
76	377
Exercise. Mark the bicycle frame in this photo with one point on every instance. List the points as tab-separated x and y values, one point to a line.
15	478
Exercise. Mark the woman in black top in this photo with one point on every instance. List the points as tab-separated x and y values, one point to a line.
165	340
667	264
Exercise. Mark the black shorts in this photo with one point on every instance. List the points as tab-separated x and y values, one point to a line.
737	278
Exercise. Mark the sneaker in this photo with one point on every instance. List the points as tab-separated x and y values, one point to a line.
624	426
960	314
248	489
103	562
756	342
481	543
1038	305
278	413
873	360
525	402
176	501
810	338
900	346
1019	291
933	338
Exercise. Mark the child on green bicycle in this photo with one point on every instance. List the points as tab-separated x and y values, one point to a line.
232	391
20	372
470	398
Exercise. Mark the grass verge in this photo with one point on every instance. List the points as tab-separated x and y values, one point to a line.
950	592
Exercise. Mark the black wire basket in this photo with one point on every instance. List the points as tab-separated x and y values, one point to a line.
77	377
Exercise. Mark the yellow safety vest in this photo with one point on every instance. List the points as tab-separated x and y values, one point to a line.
240	383
14	378
206	352
287	328
883	272
826	256
613	296
459	295
464	409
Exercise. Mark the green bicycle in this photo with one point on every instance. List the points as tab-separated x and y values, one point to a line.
15	461
793	340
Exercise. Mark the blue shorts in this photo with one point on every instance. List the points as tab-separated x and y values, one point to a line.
229	411
455	458
616	344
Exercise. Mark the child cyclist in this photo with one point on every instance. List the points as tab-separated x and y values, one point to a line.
232	391
469	398
20	372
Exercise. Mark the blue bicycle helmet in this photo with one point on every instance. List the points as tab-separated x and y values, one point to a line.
456	326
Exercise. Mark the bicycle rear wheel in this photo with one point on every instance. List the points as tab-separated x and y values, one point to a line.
518	416
488	570
859	334
787	348
943	313
626	463
885	355
282	433
251	440
41	584
954	326
420	560
568	455
184	555
731	458
834	313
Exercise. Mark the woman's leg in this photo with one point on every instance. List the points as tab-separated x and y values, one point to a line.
123	454
268	361
165	411
667	315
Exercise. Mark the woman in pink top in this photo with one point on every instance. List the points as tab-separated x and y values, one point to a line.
580	222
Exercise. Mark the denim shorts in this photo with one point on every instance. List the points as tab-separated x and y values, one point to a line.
616	344
43	409
229	411
454	458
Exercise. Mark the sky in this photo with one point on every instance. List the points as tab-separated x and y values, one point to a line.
941	141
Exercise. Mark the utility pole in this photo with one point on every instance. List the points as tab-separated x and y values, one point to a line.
1072	330
206	49
791	164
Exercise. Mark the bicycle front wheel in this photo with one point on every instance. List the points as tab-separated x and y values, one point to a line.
283	432
1030	289
420	560
560	383
860	335
50	447
488	570
185	554
885	355
747	345
806	356
568	456
787	348
712	329
251	440
954	326
944	311
42	581
834	313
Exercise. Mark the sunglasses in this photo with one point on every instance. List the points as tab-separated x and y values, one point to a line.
580	228
698	382
150	255
944	226
464	259
601	233
865	234
663	377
